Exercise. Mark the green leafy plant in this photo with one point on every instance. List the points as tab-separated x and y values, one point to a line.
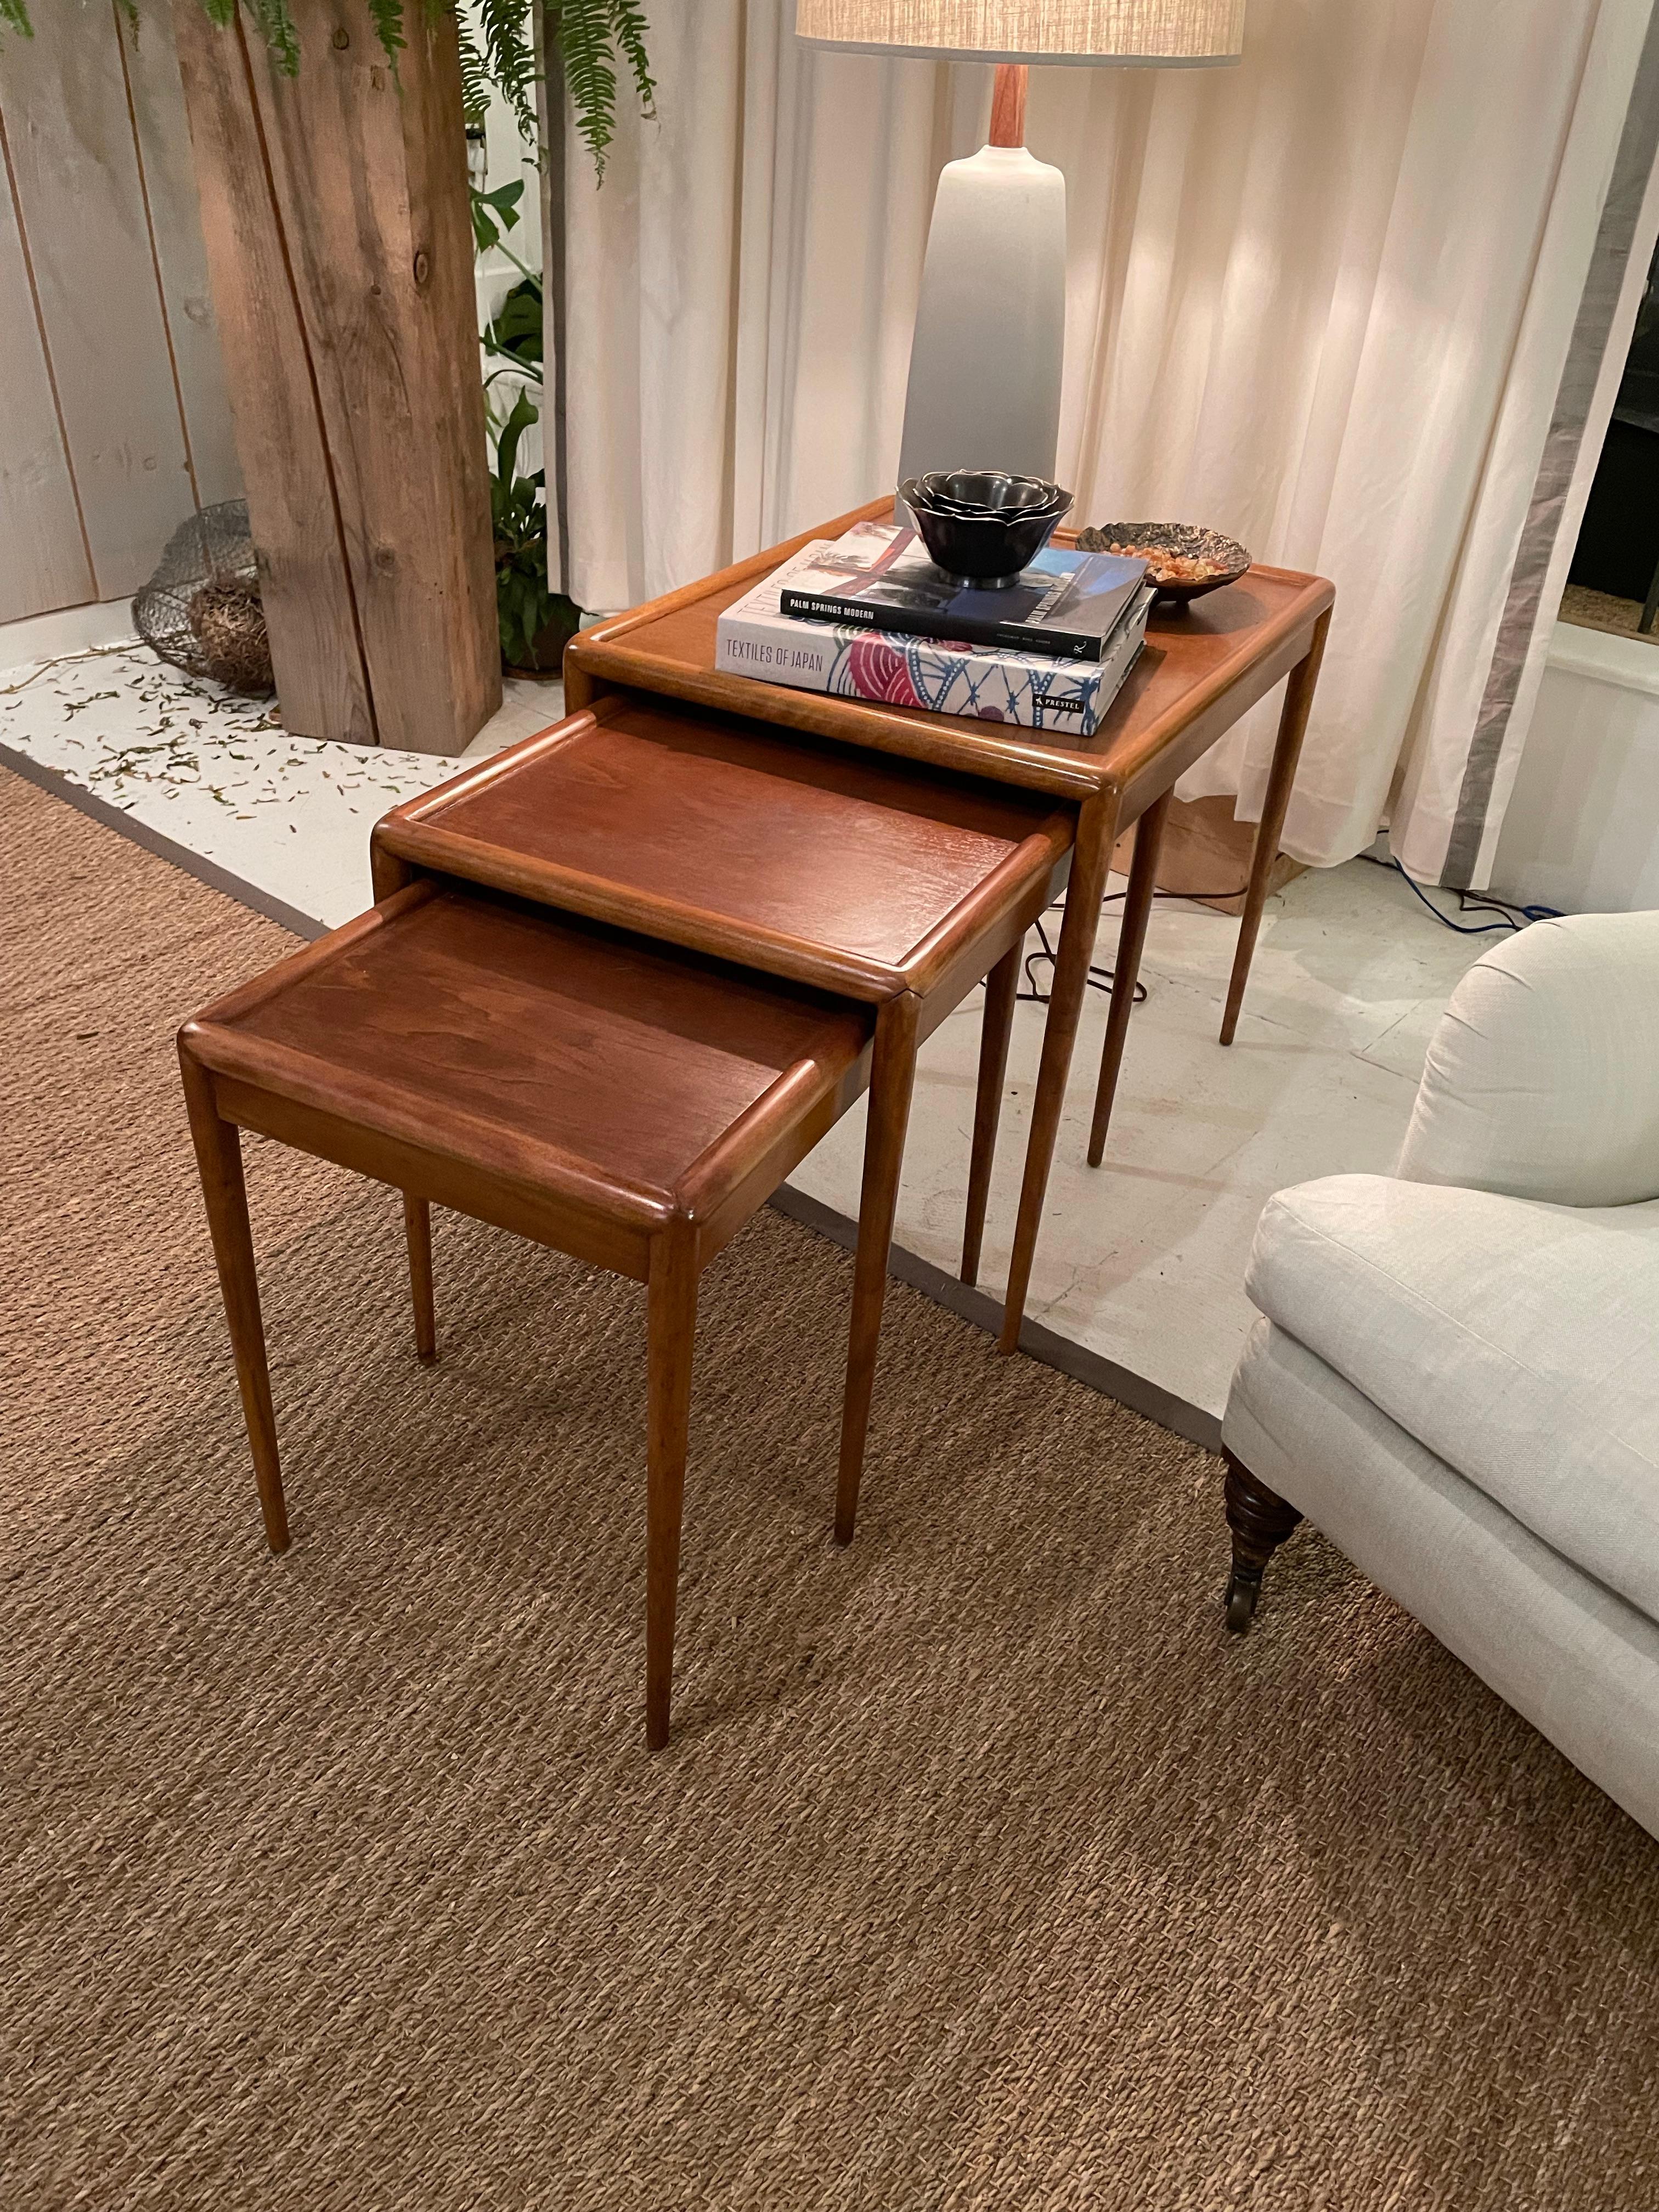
515	331
534	620
595	39
494	214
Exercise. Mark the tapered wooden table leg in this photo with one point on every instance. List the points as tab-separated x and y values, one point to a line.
670	1326
417	1228
1095	829
219	1157
1126	965
1001	990
892	1079
1287	751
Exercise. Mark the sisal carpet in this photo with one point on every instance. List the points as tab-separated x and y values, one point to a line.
982	1871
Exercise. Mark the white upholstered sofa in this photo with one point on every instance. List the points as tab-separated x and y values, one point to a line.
1456	1372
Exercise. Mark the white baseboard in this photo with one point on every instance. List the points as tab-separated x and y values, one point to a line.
66	630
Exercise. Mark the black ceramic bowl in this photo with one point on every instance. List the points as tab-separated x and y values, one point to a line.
975	492
1185	539
988	549
1056	506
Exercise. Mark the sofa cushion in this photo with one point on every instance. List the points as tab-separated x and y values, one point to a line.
1519	1342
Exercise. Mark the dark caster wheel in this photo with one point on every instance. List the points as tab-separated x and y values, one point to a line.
1242	1597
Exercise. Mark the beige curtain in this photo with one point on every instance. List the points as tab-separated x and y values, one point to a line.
1295	292
741	293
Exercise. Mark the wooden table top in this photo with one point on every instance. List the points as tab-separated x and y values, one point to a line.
856	873
1202	667
636	1082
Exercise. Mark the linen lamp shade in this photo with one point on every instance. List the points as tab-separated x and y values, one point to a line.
1154	33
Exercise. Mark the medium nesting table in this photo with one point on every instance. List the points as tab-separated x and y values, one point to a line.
628	1105
1201	670
894	886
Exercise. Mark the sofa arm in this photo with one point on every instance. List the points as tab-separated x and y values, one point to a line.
1542	1080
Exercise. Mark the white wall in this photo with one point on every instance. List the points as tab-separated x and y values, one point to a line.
1582	831
113	422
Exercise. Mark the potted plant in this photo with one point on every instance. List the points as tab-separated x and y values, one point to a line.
535	621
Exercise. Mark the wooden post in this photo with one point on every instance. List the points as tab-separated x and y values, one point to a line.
340	248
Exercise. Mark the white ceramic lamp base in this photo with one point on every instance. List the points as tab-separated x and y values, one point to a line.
990	335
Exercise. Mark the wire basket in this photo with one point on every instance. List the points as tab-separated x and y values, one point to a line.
201	609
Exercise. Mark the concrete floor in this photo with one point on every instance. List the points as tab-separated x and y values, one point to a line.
214	782
1140	1275
1142	1260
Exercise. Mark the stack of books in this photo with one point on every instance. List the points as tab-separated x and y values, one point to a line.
868	616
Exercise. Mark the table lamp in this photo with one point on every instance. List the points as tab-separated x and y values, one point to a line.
990	334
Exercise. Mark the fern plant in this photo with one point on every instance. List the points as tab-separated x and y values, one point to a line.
597	39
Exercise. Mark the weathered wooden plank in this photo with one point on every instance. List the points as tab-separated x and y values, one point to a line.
370	175
307	586
75	166
43	559
163	135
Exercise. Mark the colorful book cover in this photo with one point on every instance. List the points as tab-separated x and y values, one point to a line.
1066	605
756	638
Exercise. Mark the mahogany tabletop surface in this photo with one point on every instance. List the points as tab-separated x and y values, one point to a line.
1203	665
844	869
634	1079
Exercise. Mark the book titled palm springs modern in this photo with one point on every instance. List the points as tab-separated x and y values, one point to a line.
1066	604
755	637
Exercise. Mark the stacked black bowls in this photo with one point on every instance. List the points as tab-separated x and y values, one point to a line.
982	526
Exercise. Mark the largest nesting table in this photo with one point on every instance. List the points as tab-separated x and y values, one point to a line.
1201	670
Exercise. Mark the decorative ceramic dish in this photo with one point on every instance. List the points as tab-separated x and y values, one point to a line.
1183	560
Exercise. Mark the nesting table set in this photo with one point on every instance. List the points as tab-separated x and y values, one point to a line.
621	978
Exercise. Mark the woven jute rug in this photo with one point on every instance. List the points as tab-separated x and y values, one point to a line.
982	1870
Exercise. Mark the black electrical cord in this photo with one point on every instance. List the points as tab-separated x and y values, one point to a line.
1470	903
1101	978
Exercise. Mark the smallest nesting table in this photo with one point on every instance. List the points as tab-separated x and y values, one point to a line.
629	1105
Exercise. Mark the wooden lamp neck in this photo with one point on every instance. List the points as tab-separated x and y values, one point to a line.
1008	105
